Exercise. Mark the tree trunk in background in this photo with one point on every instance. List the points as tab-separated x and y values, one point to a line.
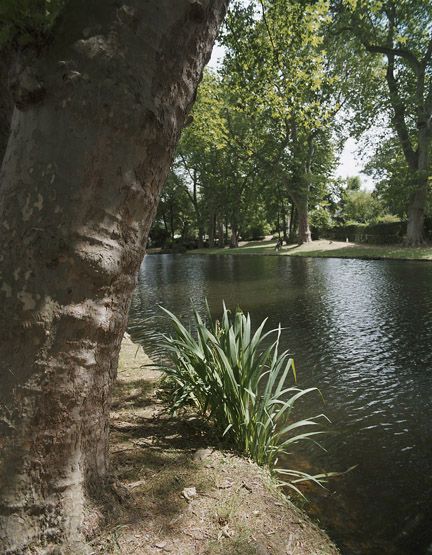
292	223
234	236
418	201
301	204
221	234
201	233
172	230
416	214
226	231
211	230
92	139
304	233
284	224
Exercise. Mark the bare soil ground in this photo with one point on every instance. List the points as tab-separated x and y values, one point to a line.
177	493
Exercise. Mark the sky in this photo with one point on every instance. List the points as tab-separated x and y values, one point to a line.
350	161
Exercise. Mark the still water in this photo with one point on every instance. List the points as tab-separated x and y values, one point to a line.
361	331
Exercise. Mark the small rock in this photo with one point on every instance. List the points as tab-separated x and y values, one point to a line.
226	484
202	454
136	484
226	532
189	493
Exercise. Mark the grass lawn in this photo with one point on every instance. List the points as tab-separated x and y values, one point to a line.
326	249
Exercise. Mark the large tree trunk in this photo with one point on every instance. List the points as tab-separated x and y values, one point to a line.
417	158
6	103
91	143
416	213
304	233
417	206
234	240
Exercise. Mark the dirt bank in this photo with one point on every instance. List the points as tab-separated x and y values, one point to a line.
178	494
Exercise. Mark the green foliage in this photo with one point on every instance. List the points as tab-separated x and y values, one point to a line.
388	219
398	36
353	183
281	70
320	218
384	232
362	207
25	22
239	381
173	216
395	181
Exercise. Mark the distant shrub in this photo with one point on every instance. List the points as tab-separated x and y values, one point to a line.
379	233
256	231
388	219
320	219
229	375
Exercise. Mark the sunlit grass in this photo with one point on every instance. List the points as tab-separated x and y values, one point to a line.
371	252
327	250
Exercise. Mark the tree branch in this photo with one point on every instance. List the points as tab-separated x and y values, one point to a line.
427	56
399	115
401	52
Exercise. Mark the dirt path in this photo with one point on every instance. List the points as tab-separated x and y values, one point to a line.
180	495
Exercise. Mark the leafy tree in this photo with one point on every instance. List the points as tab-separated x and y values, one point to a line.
353	183
279	64
362	207
174	209
399	35
216	160
389	168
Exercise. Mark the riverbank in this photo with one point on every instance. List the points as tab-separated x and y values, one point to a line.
324	248
182	495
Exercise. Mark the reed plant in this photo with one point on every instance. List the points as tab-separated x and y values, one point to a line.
242	382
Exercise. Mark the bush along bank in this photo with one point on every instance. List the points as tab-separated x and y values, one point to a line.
377	234
383	233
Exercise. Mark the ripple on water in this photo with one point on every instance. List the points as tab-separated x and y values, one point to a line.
360	331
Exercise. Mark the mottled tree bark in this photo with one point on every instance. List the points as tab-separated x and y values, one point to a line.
301	204
416	215
6	103
292	223
417	159
234	240
98	116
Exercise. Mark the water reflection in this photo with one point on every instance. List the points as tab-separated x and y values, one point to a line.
360	331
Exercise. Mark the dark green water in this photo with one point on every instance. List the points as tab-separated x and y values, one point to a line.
359	330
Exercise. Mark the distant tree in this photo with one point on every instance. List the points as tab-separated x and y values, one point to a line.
353	183
279	64
399	35
361	207
392	174
175	211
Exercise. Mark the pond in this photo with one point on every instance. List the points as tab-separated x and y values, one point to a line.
361	331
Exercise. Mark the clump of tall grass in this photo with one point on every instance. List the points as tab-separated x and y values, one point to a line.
240	380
